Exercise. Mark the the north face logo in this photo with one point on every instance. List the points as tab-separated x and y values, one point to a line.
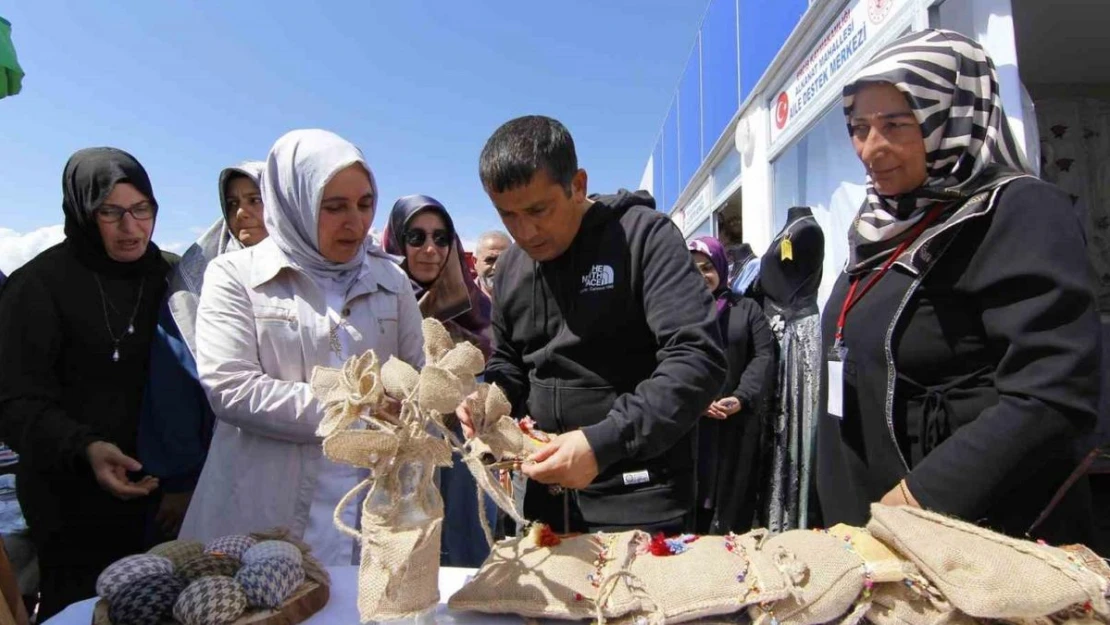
599	279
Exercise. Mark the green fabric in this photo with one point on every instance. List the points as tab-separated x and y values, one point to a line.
11	75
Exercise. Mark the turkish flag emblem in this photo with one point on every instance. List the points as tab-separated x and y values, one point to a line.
782	110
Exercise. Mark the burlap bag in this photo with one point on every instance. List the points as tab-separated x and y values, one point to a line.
565	581
985	574
708	579
825	573
402	514
402	519
560	582
900	603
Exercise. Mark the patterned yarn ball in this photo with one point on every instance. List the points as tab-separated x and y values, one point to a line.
268	583
234	546
147	601
179	551
209	565
130	569
210	601
269	549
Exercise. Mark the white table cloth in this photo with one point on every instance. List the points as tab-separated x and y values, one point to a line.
342	608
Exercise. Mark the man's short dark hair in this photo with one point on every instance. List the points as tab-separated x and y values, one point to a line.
523	146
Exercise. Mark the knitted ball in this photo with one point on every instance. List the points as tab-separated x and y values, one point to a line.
234	546
146	601
268	583
210	601
179	551
130	569
268	549
208	565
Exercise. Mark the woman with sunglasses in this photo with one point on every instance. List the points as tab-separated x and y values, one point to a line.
76	325
421	232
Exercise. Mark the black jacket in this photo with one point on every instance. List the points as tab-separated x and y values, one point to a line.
61	391
993	372
617	337
728	450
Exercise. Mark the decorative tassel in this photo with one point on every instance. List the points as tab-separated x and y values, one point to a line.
543	536
663	546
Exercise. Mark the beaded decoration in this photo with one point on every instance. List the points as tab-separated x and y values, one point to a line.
604	557
732	544
868	575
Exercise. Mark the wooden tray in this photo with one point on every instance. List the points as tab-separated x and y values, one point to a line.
309	599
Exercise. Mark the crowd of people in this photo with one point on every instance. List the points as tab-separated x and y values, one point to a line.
151	397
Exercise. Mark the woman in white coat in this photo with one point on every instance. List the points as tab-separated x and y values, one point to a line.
316	292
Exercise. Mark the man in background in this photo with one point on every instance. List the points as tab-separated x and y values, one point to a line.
490	247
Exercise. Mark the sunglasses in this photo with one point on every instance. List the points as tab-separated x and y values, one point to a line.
417	238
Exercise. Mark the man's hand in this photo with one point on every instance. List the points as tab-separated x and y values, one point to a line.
110	466
900	495
567	461
465	418
171	512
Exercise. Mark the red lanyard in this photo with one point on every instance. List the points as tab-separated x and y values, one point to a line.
851	300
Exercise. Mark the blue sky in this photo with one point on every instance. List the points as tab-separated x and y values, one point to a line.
191	87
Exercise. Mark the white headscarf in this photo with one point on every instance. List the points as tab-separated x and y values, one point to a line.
299	166
188	277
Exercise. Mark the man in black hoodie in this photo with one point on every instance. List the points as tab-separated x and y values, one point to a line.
604	333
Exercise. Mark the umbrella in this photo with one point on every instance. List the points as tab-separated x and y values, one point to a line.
11	75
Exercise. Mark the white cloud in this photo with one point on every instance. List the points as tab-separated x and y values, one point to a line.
16	249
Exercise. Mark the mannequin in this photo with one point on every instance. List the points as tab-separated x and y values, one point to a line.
790	273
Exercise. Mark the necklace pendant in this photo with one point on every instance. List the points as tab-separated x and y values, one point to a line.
130	328
115	355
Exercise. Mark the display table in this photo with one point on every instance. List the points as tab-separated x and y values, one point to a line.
342	608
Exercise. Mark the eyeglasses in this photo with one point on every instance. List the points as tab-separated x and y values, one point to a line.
110	214
417	238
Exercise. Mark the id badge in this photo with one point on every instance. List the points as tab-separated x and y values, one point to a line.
835	381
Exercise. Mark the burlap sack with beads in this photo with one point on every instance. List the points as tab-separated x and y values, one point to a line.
708	580
826	571
563	582
985	574
520	577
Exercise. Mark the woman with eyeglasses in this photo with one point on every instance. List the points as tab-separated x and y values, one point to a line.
316	292
423	234
76	324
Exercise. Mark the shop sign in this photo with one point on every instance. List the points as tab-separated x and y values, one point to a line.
697	211
822	69
679	219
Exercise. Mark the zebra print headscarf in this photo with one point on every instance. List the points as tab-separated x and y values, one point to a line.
952	86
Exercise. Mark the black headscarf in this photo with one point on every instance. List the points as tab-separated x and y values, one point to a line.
89	177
